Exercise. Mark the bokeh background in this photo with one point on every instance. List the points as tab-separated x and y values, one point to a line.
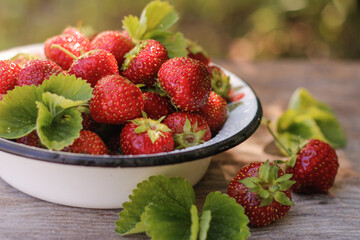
241	30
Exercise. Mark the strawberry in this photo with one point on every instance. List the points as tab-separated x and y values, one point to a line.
220	82
189	129
75	32
114	42
31	139
94	65
88	122
144	61
9	72
73	44
116	100
315	167
36	71
23	58
214	112
195	51
264	192
88	143
186	81
146	136
157	106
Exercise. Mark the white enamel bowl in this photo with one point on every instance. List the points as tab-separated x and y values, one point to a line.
105	182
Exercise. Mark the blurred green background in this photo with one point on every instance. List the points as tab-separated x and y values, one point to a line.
242	30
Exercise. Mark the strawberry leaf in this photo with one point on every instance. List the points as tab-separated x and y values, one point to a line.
228	220
158	15
308	118
205	219
18	112
181	223
59	131
68	86
174	43
158	190
131	25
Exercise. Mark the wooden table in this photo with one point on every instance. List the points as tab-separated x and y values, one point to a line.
331	216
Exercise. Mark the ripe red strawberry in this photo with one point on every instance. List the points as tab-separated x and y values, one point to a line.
36	71
220	82
264	192
88	122
88	143
186	81
23	58
146	136
189	129
144	61
94	65
114	42
9	72
195	51
31	139
215	112
75	32
116	100
76	46
157	106
314	168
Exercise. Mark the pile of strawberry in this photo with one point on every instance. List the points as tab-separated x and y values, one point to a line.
144	100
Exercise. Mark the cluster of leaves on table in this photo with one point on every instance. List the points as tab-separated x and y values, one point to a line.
243	30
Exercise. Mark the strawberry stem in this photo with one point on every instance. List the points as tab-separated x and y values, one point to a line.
67	52
288	151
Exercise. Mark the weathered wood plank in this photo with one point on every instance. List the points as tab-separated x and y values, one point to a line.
330	216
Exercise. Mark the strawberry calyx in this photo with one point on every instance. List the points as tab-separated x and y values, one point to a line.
154	128
220	82
190	136
132	54
195	48
268	186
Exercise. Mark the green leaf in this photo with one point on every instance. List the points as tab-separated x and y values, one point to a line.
170	221
18	112
132	26
68	86
228	220
157	190
173	42
56	103
158	15
303	108
205	219
329	126
301	100
57	132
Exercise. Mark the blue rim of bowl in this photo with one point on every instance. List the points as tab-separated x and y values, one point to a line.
135	160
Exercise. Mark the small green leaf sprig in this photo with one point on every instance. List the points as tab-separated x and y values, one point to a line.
164	208
52	109
307	118
155	20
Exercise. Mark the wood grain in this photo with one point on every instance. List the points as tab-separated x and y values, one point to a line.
335	215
